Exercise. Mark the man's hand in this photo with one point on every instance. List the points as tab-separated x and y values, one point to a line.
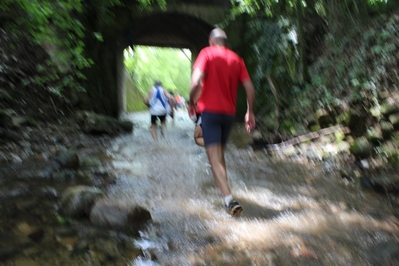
146	102
191	108
250	122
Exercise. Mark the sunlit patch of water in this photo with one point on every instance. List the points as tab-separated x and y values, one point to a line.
140	261
294	214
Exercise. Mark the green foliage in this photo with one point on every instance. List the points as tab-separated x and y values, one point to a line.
356	66
264	37
170	66
273	52
134	98
342	74
51	23
57	26
63	220
147	4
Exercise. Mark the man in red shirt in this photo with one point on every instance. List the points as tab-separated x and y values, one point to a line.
220	71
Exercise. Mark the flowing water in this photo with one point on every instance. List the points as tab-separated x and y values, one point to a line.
294	214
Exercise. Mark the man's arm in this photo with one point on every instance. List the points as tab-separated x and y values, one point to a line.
195	90
250	122
195	86
170	97
147	98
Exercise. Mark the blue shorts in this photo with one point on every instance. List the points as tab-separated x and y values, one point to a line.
216	128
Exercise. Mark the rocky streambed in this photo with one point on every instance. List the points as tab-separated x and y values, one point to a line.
72	198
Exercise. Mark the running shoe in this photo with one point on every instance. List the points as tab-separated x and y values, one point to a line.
234	208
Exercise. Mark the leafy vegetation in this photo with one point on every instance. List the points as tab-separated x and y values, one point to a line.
57	26
148	64
334	62
287	38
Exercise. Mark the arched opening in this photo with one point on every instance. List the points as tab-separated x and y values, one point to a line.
180	34
146	64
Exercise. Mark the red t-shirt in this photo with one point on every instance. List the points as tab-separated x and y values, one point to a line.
224	70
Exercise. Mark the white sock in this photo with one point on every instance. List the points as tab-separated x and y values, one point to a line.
227	199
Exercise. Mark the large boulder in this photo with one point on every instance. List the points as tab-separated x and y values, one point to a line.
357	124
394	119
119	214
77	201
92	123
324	118
361	148
390	105
68	159
386	128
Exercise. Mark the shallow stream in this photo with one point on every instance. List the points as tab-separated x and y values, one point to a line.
294	213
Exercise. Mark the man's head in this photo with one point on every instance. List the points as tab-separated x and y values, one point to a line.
157	83
218	37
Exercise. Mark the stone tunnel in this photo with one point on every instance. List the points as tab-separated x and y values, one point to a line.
184	24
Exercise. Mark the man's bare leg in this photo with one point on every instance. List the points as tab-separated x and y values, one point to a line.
163	126
198	138
154	132
215	154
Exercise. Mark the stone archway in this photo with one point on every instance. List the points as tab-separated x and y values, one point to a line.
105	85
162	30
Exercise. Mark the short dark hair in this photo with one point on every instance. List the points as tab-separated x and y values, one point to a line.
157	83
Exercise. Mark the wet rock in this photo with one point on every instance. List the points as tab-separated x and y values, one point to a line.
394	119
357	124
85	174
107	247
361	148
381	185
390	106
29	169
343	147
6	193
36	235
324	118
23	228
111	213
15	158
137	218
96	124
81	247
65	175
384	254
89	162
18	121
67	159
104	179
375	136
77	201
390	150
8	252
25	262
5	118
386	128
127	126
48	192
3	157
